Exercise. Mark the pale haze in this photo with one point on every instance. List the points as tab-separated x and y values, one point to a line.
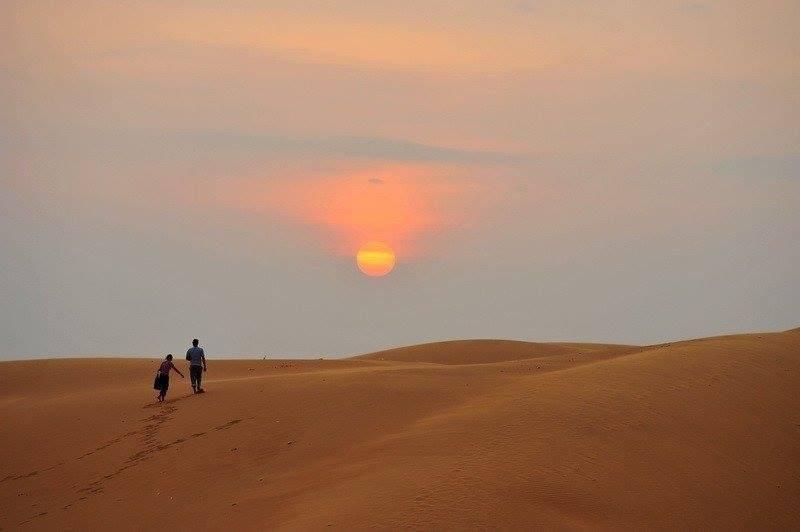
544	170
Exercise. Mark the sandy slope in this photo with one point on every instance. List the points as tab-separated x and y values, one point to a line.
703	433
489	351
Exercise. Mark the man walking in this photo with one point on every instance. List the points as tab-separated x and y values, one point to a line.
197	365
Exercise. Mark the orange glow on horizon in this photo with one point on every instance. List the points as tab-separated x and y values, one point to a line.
401	204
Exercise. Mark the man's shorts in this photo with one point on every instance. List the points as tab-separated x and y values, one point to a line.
196	375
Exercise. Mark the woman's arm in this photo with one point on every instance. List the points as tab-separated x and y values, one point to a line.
176	369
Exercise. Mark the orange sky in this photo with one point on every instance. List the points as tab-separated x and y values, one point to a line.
544	169
401	205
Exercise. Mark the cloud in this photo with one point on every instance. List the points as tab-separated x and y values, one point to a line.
695	7
188	143
784	166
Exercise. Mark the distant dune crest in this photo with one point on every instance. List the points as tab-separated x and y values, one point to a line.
487	351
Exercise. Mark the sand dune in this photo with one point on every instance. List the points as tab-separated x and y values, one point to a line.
489	351
701	433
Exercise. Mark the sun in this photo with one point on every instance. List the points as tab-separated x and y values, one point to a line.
375	259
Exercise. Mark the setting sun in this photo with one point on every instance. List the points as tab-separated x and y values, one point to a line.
375	259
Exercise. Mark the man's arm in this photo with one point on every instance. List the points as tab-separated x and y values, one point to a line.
204	362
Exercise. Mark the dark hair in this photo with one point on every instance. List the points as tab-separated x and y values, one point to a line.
169	356
195	342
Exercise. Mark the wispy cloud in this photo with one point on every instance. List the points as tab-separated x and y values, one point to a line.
185	143
785	166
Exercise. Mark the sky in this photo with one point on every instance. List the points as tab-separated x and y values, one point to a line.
544	170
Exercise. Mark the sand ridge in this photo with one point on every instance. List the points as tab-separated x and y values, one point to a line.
489	351
462	434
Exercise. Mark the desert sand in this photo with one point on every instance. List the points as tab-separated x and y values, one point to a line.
480	433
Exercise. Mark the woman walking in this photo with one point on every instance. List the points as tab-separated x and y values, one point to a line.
162	378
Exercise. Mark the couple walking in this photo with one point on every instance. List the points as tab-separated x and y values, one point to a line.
197	365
